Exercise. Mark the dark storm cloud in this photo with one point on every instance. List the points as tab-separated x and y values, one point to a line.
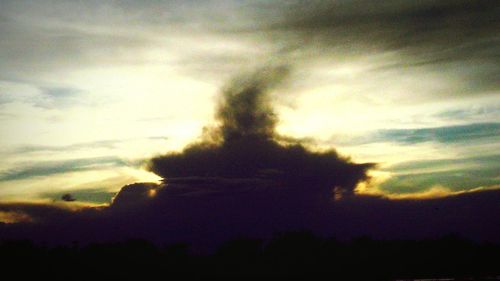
241	175
245	145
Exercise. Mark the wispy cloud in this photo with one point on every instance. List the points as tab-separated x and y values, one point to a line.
100	144
48	168
469	133
456	174
61	97
447	134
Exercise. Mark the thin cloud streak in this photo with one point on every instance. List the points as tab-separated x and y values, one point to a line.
48	168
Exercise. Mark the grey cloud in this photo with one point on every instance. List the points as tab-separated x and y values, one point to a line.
33	45
447	28
45	97
492	161
109	144
60	98
459	38
447	134
35	50
469	133
47	168
63	148
456	40
488	112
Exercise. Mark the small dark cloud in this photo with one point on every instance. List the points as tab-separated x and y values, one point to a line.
68	197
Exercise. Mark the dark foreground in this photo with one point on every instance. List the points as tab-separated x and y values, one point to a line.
295	254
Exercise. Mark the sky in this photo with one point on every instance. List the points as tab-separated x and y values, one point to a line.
93	92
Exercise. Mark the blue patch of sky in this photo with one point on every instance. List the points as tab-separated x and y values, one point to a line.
456	174
445	134
456	180
95	195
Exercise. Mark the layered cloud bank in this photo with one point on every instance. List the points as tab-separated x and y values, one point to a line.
209	219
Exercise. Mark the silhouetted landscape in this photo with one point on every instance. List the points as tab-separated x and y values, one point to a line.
291	254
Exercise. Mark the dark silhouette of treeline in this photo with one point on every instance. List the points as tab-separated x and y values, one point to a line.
293	254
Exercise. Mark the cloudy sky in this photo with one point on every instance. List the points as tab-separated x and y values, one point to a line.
90	90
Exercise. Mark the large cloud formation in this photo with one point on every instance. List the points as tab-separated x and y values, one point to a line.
242	176
245	147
